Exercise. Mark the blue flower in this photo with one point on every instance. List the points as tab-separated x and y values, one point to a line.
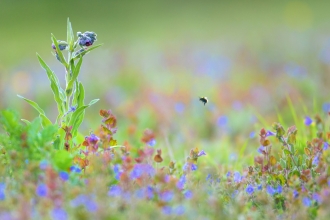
234	193
167	210
179	107
222	121
86	39
270	190
308	121
269	133
59	214
188	194
252	134
228	174
201	153
279	189
42	190
75	169
237	177
249	189
166	196
152	143
190	166
295	194
2	191
181	182
326	107
316	160
261	149
91	205
316	197
325	146
306	201
259	187
116	170
115	191
64	175
179	210
140	169
193	167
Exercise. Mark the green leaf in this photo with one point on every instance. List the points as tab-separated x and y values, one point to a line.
75	74
70	35
58	92
86	51
26	121
45	121
33	104
62	160
81	97
75	121
59	52
287	152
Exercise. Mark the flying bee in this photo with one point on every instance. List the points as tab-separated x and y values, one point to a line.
203	99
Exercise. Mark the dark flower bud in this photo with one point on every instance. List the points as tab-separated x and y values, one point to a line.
61	44
86	39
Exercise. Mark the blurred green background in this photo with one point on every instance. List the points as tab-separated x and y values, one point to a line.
247	57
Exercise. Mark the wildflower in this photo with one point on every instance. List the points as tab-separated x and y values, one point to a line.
209	177
201	153
166	196
308	121
306	201
190	166
237	177
316	160
249	189
259	187
75	169
188	194
149	192
43	164
86	39
325	146
252	134
234	193
222	121
59	214
316	197
167	210
114	191
116	170
269	133
2	191
279	189
64	175
262	150
140	169
61	45
42	190
295	194
179	210
179	107
152	142
91	205
270	190
93	139
181	182
326	107
228	174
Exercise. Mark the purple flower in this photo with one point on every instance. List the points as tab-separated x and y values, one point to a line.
228	174
237	177
64	175
116	170
295	194
42	190
316	197
43	164
79	201
75	169
179	107
179	210
188	194
93	139
181	182
259	187
252	134
2	191
325	146
316	160
167	210
166	196
279	189
308	121
140	169
86	39
61	45
270	190
59	214
91	205
261	149
152	142
222	121
326	107
114	191
306	201
249	189
269	133
193	167
190	166
201	153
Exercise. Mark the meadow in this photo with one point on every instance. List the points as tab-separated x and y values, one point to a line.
106	122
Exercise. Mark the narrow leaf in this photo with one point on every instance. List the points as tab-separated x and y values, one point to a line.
33	104
59	52
75	74
45	121
26	121
70	36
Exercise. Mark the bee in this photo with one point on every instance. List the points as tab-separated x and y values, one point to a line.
203	99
